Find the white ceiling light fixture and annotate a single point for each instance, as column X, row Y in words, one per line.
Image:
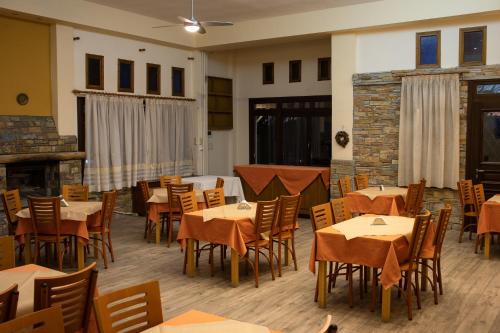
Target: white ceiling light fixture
column 193, row 25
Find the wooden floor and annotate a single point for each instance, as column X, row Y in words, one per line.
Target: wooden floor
column 471, row 300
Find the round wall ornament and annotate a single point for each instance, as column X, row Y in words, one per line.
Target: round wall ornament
column 22, row 99
column 342, row 138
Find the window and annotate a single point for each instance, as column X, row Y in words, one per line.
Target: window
column 268, row 73
column 153, row 80
column 177, row 81
column 125, row 75
column 473, row 46
column 291, row 130
column 294, row 70
column 94, row 71
column 428, row 49
column 324, row 69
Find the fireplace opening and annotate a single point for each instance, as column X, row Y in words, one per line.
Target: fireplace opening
column 34, row 178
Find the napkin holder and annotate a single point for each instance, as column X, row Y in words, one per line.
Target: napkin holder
column 379, row 221
column 381, row 187
column 244, row 205
column 64, row 203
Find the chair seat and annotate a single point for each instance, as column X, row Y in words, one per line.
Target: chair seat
column 260, row 242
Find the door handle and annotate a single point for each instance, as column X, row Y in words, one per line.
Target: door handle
column 478, row 171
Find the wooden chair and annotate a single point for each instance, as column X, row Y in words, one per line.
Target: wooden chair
column 165, row 180
column 132, row 310
column 344, row 185
column 340, row 211
column 219, row 183
column 46, row 215
column 435, row 256
column 361, row 181
column 412, row 206
column 409, row 268
column 174, row 210
column 214, row 197
column 469, row 215
column 74, row 292
column 479, row 199
column 49, row 320
column 75, row 192
column 7, row 254
column 287, row 219
column 11, row 201
column 102, row 232
column 144, row 190
column 265, row 222
column 8, row 304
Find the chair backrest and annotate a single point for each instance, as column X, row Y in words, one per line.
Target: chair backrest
column 49, row 320
column 45, row 213
column 321, row 216
column 466, row 192
column 479, row 198
column 442, row 226
column 219, row 183
column 188, row 202
column 288, row 211
column 108, row 206
column 144, row 188
column 7, row 252
column 74, row 292
column 75, row 192
column 265, row 218
column 11, row 201
column 214, row 197
column 418, row 235
column 344, row 184
column 173, row 190
column 133, row 309
column 340, row 210
column 361, row 181
column 411, row 202
column 8, row 304
column 165, row 180
column 420, row 197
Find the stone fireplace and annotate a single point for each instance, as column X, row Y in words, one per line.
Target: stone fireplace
column 35, row 158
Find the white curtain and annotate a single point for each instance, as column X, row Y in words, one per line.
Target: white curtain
column 125, row 142
column 429, row 130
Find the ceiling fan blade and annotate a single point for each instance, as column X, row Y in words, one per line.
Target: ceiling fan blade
column 202, row 30
column 216, row 23
column 185, row 20
column 168, row 26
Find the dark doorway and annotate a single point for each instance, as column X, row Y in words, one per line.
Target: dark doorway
column 291, row 130
column 483, row 135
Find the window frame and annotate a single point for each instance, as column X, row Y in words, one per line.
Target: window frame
column 182, row 93
column 131, row 63
column 292, row 63
column 100, row 58
column 418, row 35
column 264, row 81
column 329, row 74
column 158, row 79
column 481, row 62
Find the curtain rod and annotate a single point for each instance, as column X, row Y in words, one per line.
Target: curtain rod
column 437, row 72
column 93, row 92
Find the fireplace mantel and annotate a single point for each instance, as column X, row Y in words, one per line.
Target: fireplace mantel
column 66, row 156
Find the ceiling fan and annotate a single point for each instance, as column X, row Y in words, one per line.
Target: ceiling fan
column 193, row 25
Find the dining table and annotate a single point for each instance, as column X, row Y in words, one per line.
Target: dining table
column 158, row 204
column 75, row 220
column 489, row 221
column 360, row 241
column 385, row 200
column 202, row 322
column 24, row 276
column 232, row 185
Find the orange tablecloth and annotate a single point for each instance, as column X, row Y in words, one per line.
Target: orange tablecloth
column 385, row 252
column 294, row 178
column 489, row 218
column 27, row 300
column 381, row 205
column 197, row 317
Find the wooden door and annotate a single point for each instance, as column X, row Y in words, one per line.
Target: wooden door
column 483, row 135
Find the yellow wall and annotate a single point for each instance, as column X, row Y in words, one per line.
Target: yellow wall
column 24, row 67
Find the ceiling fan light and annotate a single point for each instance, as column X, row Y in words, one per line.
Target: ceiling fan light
column 192, row 28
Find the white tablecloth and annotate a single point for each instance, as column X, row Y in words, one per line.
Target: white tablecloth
column 373, row 192
column 232, row 185
column 76, row 211
column 160, row 195
column 495, row 198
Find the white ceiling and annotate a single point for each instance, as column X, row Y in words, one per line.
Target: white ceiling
column 223, row 10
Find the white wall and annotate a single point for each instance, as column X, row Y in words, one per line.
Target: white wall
column 112, row 48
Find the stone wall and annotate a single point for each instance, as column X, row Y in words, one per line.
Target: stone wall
column 338, row 169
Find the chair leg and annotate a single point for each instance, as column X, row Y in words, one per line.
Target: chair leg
column 211, row 259
column 349, row 277
column 279, row 257
column 294, row 257
column 198, row 253
column 104, row 254
column 110, row 246
column 222, row 250
column 146, row 225
column 271, row 258
column 361, row 272
column 334, row 279
column 374, row 289
column 316, row 291
column 440, row 276
column 408, row 294
column 462, row 227
column 170, row 231
column 417, row 289
column 435, row 281
column 478, row 243
column 256, row 267
column 59, row 255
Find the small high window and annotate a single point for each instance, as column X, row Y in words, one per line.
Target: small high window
column 268, row 73
column 473, row 46
column 324, row 69
column 428, row 49
column 153, row 79
column 177, row 81
column 294, row 71
column 94, row 71
column 125, row 76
